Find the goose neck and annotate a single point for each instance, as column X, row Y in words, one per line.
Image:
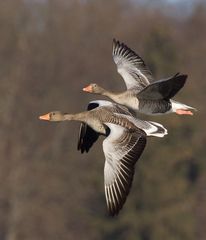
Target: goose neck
column 75, row 117
column 108, row 93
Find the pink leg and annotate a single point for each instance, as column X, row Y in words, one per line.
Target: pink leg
column 184, row 112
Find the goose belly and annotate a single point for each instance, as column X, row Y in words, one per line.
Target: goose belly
column 130, row 102
column 154, row 107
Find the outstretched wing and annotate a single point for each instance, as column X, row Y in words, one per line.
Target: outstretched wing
column 131, row 66
column 87, row 136
column 122, row 148
column 163, row 89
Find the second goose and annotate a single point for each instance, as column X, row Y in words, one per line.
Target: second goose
column 143, row 94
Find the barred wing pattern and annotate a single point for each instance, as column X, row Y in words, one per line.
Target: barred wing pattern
column 122, row 148
column 131, row 66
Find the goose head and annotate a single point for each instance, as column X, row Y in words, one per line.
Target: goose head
column 54, row 116
column 94, row 88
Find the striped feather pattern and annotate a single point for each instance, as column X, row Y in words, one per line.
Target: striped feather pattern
column 131, row 66
column 122, row 149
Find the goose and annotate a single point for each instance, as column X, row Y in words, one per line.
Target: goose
column 143, row 94
column 124, row 143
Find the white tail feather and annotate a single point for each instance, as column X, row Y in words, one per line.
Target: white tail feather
column 156, row 130
column 180, row 106
column 150, row 128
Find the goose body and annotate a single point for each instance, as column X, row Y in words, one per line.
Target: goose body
column 124, row 143
column 143, row 94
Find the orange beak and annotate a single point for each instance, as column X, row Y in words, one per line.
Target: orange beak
column 87, row 89
column 45, row 117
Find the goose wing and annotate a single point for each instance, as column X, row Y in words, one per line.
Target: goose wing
column 87, row 136
column 122, row 148
column 131, row 66
column 163, row 89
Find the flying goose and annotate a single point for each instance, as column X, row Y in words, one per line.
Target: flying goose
column 143, row 94
column 124, row 143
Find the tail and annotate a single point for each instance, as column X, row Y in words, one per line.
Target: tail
column 150, row 128
column 181, row 108
column 156, row 130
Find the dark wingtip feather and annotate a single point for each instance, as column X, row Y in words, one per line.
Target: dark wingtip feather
column 181, row 78
column 114, row 42
column 87, row 136
column 177, row 83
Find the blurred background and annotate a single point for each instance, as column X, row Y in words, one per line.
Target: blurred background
column 50, row 50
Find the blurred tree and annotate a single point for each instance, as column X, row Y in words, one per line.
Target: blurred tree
column 48, row 51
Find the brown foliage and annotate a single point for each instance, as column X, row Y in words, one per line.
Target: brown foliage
column 49, row 50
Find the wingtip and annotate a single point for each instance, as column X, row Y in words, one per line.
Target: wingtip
column 112, row 212
column 177, row 74
column 114, row 43
column 183, row 78
column 180, row 77
column 184, row 75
